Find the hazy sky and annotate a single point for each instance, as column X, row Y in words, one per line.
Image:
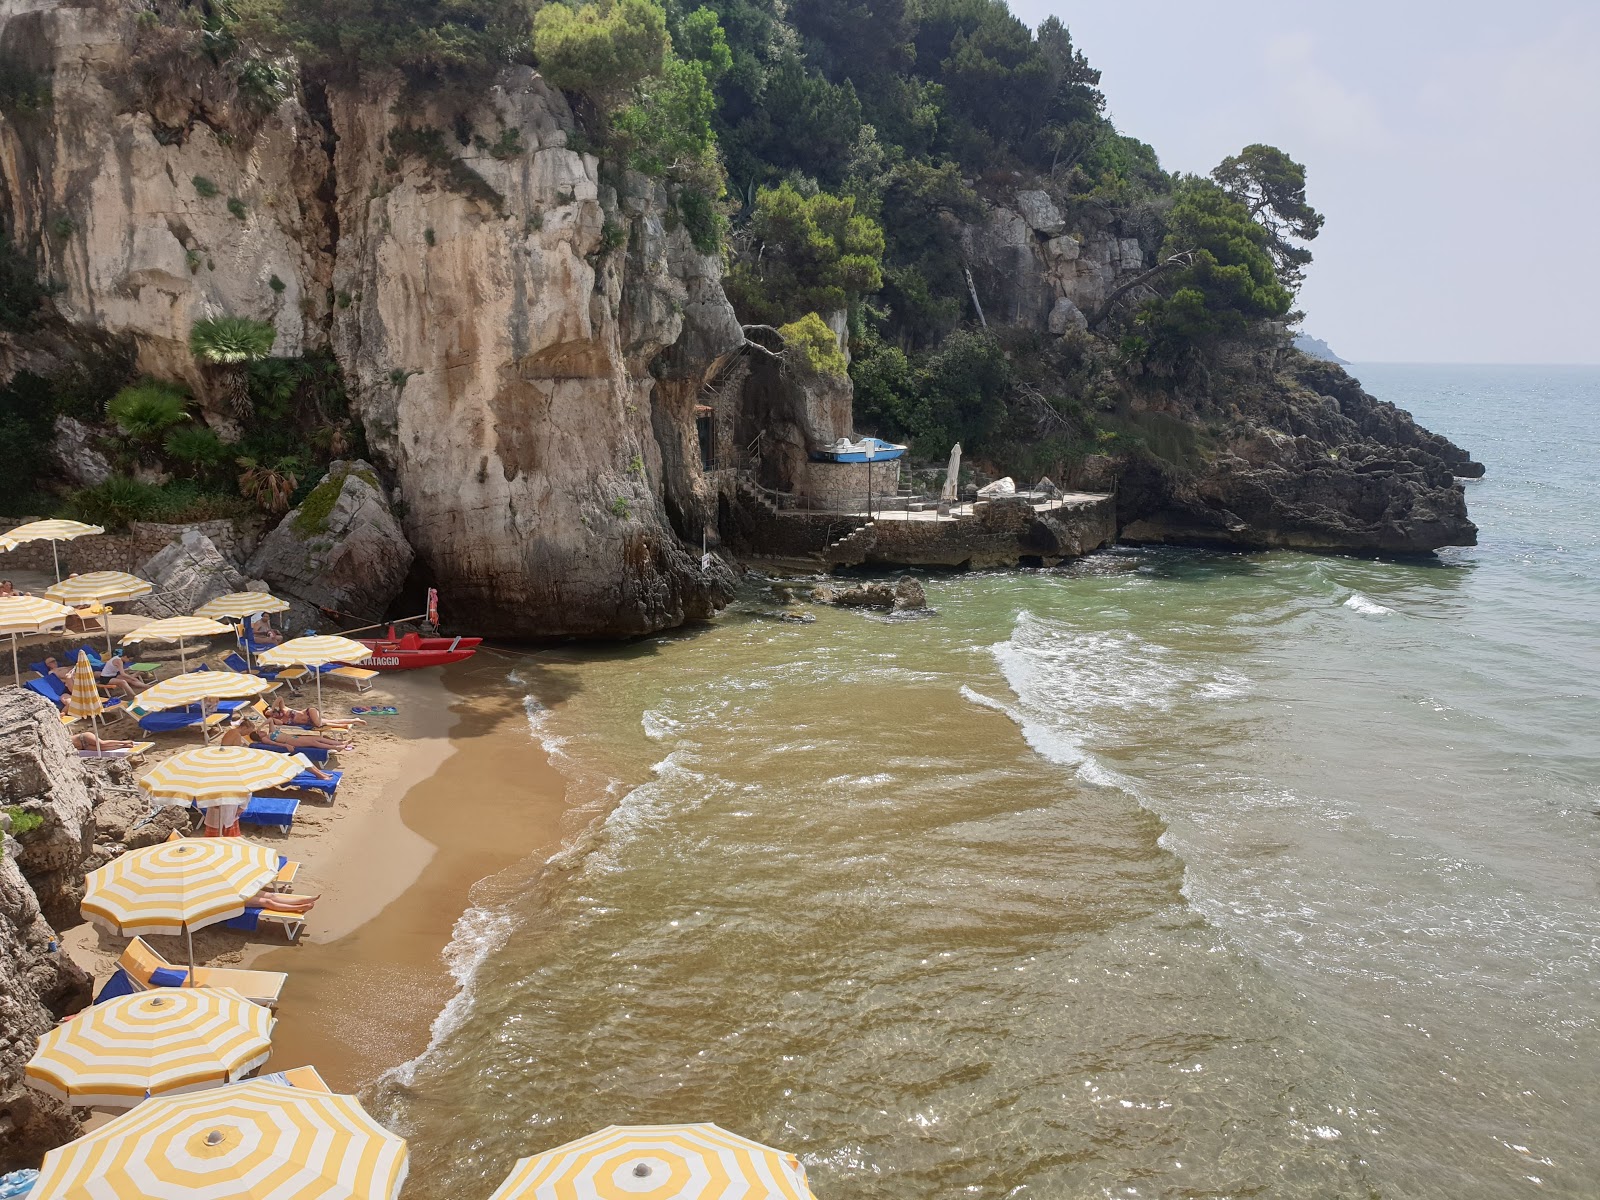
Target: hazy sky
column 1453, row 146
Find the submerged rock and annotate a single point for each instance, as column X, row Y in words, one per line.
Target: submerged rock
column 904, row 593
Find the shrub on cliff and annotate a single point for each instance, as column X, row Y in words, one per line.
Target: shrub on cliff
column 430, row 40
column 147, row 410
column 812, row 348
column 231, row 344
column 804, row 254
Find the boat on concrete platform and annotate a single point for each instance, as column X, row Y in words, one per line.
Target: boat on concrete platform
column 868, row 449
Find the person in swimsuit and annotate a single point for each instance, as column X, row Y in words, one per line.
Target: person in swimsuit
column 281, row 714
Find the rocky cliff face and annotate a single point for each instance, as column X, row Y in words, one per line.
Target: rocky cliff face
column 1272, row 449
column 70, row 817
column 523, row 339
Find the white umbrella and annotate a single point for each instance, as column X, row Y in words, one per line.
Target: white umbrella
column 952, row 476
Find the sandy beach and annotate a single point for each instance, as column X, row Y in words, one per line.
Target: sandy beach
column 435, row 801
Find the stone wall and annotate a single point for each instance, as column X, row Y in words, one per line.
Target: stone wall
column 119, row 551
column 842, row 487
column 999, row 533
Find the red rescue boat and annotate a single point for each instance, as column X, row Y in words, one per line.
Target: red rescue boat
column 413, row 651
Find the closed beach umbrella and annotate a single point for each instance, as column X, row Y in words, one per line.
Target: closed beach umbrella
column 119, row 1052
column 29, row 614
column 53, row 531
column 952, row 476
column 176, row 629
column 658, row 1162
column 252, row 1141
column 183, row 690
column 100, row 587
column 218, row 775
column 315, row 652
column 83, row 693
column 177, row 886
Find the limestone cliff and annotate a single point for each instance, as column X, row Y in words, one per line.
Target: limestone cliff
column 523, row 339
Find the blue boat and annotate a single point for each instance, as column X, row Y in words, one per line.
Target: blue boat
column 869, row 449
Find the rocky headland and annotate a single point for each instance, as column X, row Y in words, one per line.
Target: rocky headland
column 530, row 332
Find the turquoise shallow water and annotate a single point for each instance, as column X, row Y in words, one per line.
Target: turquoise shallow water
column 1172, row 873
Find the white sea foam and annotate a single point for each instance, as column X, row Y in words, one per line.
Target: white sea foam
column 657, row 725
column 1366, row 605
column 478, row 933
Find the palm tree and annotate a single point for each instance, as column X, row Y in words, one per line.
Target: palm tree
column 231, row 344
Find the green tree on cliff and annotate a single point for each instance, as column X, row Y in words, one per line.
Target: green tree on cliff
column 600, row 50
column 1272, row 186
column 804, row 254
column 1224, row 274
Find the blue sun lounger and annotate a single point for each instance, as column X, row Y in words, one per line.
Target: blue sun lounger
column 270, row 810
column 311, row 754
column 252, row 919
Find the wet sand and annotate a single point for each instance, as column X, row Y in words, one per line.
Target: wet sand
column 366, row 984
column 434, row 803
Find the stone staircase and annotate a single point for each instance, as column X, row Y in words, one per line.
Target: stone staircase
column 852, row 548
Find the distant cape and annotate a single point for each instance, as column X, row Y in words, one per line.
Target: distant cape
column 1316, row 348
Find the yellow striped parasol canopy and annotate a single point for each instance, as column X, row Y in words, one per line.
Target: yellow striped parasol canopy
column 29, row 614
column 183, row 690
column 105, row 586
column 176, row 886
column 177, row 629
column 83, row 693
column 210, row 775
column 252, row 1141
column 315, row 652
column 240, row 605
column 52, row 531
column 658, row 1162
column 167, row 1040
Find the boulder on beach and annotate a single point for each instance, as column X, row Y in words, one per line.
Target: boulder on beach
column 341, row 550
column 187, row 573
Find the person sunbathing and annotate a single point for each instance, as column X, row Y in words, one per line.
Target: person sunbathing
column 93, row 741
column 292, row 739
column 62, row 673
column 7, row 588
column 262, row 633
column 282, row 901
column 281, row 714
column 243, row 733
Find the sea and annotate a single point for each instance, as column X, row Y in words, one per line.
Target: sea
column 1166, row 873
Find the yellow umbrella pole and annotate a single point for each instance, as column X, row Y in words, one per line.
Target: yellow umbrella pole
column 55, row 552
column 15, row 669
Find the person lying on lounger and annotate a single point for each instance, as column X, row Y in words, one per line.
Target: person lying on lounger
column 62, row 673
column 262, row 633
column 281, row 902
column 242, row 733
column 292, row 739
column 92, row 741
column 281, row 714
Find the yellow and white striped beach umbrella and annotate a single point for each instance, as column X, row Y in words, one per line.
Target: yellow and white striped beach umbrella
column 105, row 586
column 238, row 606
column 218, row 774
column 315, row 652
column 177, row 629
column 168, row 1040
column 252, row 1141
column 182, row 690
column 83, row 693
column 176, row 886
column 52, row 531
column 29, row 614
column 658, row 1162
